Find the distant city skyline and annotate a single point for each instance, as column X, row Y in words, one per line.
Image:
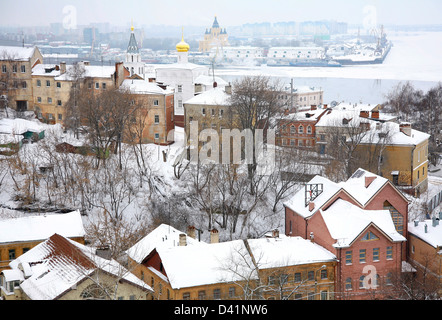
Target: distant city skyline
column 230, row 13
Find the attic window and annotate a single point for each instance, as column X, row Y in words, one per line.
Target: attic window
column 369, row 236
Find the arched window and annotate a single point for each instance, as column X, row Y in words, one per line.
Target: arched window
column 292, row 130
column 301, row 129
column 309, row 129
column 97, row 292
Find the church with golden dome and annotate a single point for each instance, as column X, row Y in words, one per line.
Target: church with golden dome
column 213, row 38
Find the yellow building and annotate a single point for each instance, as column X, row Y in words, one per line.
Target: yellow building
column 180, row 267
column 425, row 248
column 213, row 38
column 16, row 65
column 399, row 153
column 52, row 85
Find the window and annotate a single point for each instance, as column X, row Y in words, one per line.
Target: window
column 4, row 69
column 103, row 85
column 362, row 255
column 324, row 295
column 180, row 104
column 39, row 83
column 202, row 295
column 349, row 257
column 297, row 277
column 24, row 84
column 292, row 130
column 361, row 282
column 97, row 85
column 311, row 275
column 186, row 296
column 50, row 116
column 369, row 236
column 311, row 296
column 309, row 129
column 49, row 100
column 23, row 69
column 39, row 99
column 301, row 129
column 389, row 253
column 271, row 280
column 60, row 117
column 59, row 103
column 398, row 220
column 232, row 292
column 348, row 284
column 157, row 136
column 157, row 119
column 58, row 84
column 376, row 254
column 180, row 88
column 389, row 279
column 221, row 113
column 203, row 111
column 217, row 294
column 156, row 102
column 12, row 254
column 324, row 274
column 48, row 83
column 298, row 296
column 14, row 68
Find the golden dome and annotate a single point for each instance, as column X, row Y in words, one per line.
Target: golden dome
column 182, row 46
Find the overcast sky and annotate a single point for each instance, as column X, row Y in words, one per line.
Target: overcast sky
column 229, row 12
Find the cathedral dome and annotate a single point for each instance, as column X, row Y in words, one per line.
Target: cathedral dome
column 182, row 46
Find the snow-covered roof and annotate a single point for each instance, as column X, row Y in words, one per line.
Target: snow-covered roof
column 139, row 86
column 208, row 80
column 287, row 251
column 49, row 70
column 189, row 266
column 20, row 126
column 394, row 135
column 297, row 201
column 16, row 53
column 308, row 115
column 363, row 185
column 58, row 264
column 355, row 106
column 213, row 97
column 346, row 222
column 180, row 66
column 164, row 236
column 334, row 118
column 89, row 72
column 35, row 228
column 433, row 236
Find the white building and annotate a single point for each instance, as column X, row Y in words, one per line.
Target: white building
column 133, row 61
column 181, row 76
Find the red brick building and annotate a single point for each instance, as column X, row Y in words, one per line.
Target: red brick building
column 298, row 129
column 363, row 221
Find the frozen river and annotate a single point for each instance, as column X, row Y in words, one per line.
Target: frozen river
column 415, row 57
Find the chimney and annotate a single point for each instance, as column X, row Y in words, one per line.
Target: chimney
column 426, row 228
column 86, row 63
column 63, row 67
column 104, row 252
column 364, row 114
column 214, row 236
column 416, row 223
column 311, row 206
column 228, row 89
column 325, row 106
column 435, row 221
column 183, row 240
column 375, row 114
column 191, row 232
column 215, row 84
column 312, row 237
column 275, row 233
column 368, row 181
column 313, row 107
column 405, row 128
